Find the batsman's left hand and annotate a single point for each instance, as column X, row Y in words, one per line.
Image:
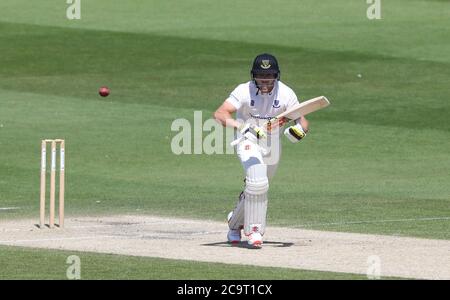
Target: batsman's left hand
column 253, row 132
column 295, row 133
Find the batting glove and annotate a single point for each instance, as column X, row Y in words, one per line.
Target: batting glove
column 295, row 133
column 252, row 132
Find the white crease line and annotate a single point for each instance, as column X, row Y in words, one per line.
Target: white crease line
column 9, row 208
column 296, row 226
column 57, row 239
column 99, row 225
column 130, row 224
column 108, row 225
column 14, row 229
column 65, row 227
column 374, row 221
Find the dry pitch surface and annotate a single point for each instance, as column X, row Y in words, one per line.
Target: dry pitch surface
column 206, row 241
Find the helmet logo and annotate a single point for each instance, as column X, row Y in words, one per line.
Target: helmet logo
column 265, row 64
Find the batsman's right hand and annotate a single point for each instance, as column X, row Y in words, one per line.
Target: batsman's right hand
column 252, row 132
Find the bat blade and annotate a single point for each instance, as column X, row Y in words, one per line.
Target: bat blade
column 306, row 107
column 298, row 110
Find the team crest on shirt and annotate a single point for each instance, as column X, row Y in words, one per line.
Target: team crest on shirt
column 252, row 102
column 276, row 104
column 265, row 64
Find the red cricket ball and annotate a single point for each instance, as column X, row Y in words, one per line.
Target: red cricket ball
column 103, row 91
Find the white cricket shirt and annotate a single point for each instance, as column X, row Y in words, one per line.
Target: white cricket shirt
column 258, row 107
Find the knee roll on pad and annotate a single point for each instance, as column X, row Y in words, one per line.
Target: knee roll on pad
column 257, row 188
column 256, row 182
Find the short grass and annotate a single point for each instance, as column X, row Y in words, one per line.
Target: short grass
column 378, row 155
column 380, row 152
column 26, row 263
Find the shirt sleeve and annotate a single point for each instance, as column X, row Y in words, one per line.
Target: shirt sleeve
column 234, row 101
column 236, row 97
column 292, row 100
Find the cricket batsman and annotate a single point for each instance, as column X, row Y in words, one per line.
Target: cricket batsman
column 255, row 102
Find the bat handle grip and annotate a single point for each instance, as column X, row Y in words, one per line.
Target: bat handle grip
column 237, row 141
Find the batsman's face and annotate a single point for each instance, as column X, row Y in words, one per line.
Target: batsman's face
column 265, row 82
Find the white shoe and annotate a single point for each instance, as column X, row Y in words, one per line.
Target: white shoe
column 255, row 239
column 234, row 236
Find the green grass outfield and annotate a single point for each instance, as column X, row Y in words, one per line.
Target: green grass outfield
column 376, row 161
column 52, row 264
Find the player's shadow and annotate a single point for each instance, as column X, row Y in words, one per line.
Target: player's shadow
column 244, row 244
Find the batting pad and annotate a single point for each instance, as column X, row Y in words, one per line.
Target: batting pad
column 255, row 204
column 255, row 213
column 237, row 218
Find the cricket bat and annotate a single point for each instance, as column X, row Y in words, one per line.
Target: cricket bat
column 292, row 113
